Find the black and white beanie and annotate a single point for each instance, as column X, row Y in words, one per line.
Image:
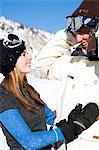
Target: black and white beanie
column 11, row 47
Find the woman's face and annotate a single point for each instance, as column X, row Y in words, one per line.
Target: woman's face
column 24, row 62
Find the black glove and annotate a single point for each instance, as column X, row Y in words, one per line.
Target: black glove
column 74, row 112
column 86, row 116
column 78, row 120
column 70, row 130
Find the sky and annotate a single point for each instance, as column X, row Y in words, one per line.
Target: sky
column 48, row 15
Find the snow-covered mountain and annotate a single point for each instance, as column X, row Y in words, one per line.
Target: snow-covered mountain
column 34, row 38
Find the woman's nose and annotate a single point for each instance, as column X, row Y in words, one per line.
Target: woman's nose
column 29, row 55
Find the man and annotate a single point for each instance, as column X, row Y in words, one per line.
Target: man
column 66, row 58
column 83, row 86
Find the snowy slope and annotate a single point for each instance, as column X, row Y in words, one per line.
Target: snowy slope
column 34, row 38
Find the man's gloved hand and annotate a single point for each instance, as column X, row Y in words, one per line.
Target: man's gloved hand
column 57, row 144
column 78, row 120
column 74, row 112
column 86, row 116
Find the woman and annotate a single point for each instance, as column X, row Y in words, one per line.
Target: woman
column 23, row 115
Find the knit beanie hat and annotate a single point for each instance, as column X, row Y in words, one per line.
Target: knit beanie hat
column 11, row 48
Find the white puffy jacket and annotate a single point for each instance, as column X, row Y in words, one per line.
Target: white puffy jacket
column 80, row 83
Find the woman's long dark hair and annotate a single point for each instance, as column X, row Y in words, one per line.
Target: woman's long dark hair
column 15, row 82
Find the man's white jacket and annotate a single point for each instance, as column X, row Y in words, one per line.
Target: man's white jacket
column 80, row 83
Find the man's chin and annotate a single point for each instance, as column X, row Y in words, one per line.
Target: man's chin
column 85, row 47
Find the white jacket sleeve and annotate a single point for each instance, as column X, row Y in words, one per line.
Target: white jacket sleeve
column 54, row 57
column 52, row 51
